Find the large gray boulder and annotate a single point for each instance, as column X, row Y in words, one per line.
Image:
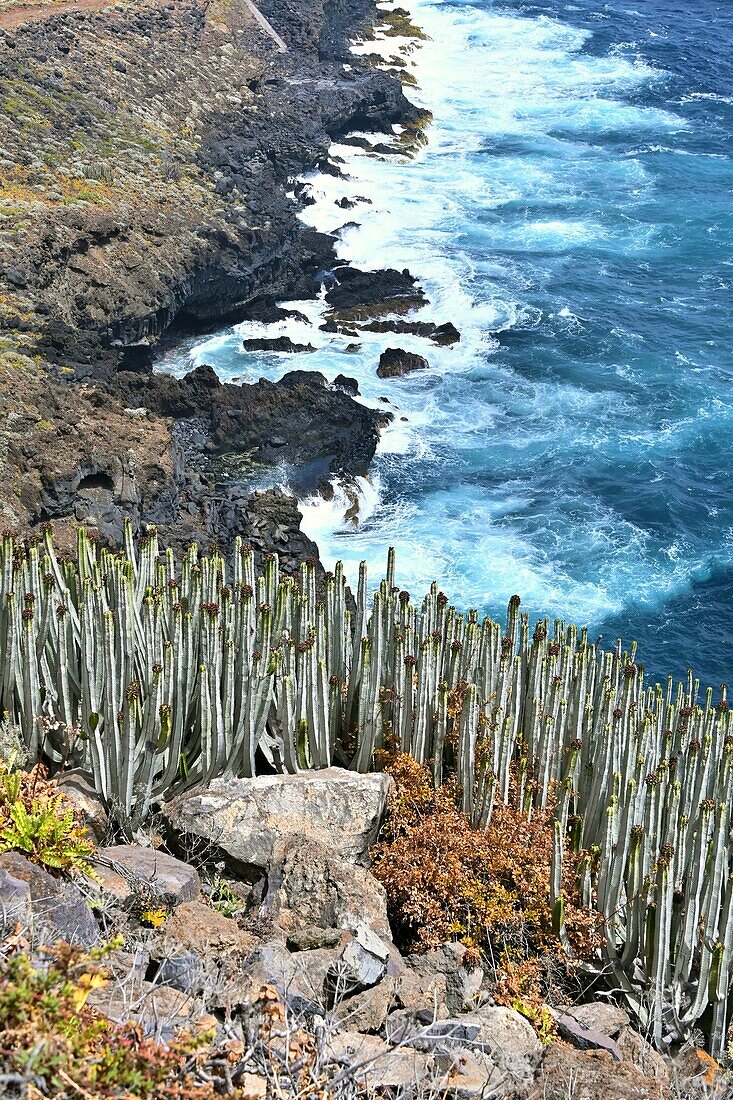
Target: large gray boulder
column 46, row 908
column 599, row 1016
column 200, row 951
column 299, row 977
column 160, row 1010
column 378, row 1067
column 510, row 1041
column 333, row 915
column 592, row 1075
column 501, row 1034
column 383, row 1070
column 439, row 982
column 249, row 820
column 366, row 1011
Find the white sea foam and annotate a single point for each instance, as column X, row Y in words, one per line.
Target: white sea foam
column 342, row 513
column 710, row 97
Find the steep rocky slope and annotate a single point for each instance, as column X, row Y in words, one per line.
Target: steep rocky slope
column 148, row 150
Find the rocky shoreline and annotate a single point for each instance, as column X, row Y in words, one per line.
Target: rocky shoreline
column 149, row 153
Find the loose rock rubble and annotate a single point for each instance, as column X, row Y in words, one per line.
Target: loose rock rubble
column 309, row 923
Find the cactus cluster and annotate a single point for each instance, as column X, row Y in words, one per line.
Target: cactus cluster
column 156, row 675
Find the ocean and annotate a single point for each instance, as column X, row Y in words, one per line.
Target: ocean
column 572, row 215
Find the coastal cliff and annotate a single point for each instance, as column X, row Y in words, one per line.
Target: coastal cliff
column 146, row 188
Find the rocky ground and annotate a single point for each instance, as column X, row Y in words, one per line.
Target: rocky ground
column 147, row 154
column 268, row 906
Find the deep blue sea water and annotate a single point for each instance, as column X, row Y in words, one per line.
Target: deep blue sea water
column 573, row 216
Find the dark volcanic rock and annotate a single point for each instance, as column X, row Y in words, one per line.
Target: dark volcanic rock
column 127, row 231
column 320, row 431
column 386, row 150
column 370, row 293
column 278, row 343
column 395, row 363
column 348, row 385
column 444, row 335
column 272, row 522
column 336, row 326
column 265, row 309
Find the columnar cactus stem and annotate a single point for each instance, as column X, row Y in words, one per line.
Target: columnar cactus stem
column 175, row 676
column 467, row 747
column 556, row 897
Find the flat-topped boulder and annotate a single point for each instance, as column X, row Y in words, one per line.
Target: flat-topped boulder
column 360, row 295
column 126, row 870
column 249, row 820
column 444, row 335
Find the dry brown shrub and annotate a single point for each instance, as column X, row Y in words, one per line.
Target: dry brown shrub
column 446, row 880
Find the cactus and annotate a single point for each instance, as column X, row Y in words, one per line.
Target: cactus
column 158, row 675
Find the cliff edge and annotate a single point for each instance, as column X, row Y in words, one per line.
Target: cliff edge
column 148, row 157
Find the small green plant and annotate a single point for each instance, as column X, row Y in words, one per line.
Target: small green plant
column 47, row 834
column 39, row 822
column 539, row 1017
column 225, row 899
column 154, row 918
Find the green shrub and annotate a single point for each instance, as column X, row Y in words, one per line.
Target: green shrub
column 39, row 822
column 60, row 1047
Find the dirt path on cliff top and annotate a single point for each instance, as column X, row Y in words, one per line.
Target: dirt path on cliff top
column 16, row 14
column 13, row 15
